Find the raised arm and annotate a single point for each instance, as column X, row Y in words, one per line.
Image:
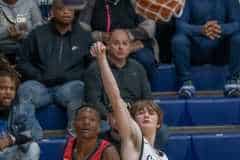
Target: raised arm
column 126, row 125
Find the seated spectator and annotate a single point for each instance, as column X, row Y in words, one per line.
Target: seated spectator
column 17, row 18
column 137, row 132
column 130, row 75
column 201, row 35
column 87, row 145
column 105, row 18
column 17, row 140
column 53, row 58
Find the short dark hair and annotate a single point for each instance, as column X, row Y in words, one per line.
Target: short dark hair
column 6, row 70
column 90, row 106
column 57, row 3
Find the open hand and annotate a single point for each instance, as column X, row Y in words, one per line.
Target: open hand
column 14, row 33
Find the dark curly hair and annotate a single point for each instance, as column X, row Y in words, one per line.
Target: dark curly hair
column 7, row 70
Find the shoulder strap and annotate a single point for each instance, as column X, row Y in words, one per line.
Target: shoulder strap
column 71, row 141
column 100, row 149
column 6, row 17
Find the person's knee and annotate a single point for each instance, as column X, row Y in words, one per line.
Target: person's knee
column 70, row 94
column 235, row 39
column 29, row 87
column 33, row 152
column 74, row 88
column 9, row 153
column 31, row 90
column 145, row 56
column 180, row 40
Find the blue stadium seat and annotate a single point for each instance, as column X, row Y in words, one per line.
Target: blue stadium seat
column 198, row 111
column 178, row 148
column 214, row 111
column 201, row 111
column 174, row 112
column 206, row 77
column 52, row 117
column 164, row 79
column 52, row 149
column 216, row 147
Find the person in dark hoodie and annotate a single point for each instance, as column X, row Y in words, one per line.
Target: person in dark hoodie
column 208, row 32
column 17, row 19
column 18, row 130
column 53, row 59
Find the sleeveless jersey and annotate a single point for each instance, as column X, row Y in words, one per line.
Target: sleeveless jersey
column 149, row 153
column 68, row 152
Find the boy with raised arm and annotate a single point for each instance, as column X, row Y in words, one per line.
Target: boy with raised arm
column 137, row 137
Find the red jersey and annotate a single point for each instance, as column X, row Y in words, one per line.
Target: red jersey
column 68, row 152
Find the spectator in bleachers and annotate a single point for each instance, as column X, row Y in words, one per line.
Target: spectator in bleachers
column 130, row 75
column 86, row 144
column 17, row 18
column 18, row 131
column 138, row 129
column 202, row 33
column 53, row 58
column 108, row 15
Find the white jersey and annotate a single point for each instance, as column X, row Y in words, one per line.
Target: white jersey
column 149, row 153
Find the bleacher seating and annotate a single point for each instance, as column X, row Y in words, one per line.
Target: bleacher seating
column 214, row 111
column 174, row 112
column 52, row 149
column 205, row 77
column 52, row 117
column 195, row 112
column 201, row 111
column 216, row 147
column 180, row 147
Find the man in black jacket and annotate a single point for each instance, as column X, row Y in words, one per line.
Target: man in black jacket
column 53, row 57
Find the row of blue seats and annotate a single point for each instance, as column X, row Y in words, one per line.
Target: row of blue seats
column 179, row 147
column 201, row 111
column 206, row 77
